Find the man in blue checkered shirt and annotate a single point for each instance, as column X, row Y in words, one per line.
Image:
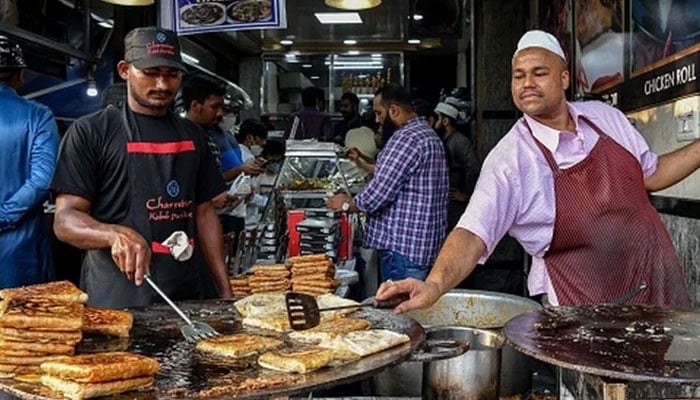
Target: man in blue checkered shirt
column 406, row 200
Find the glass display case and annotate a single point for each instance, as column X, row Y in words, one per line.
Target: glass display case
column 311, row 172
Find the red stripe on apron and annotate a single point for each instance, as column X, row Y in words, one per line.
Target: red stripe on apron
column 160, row 249
column 160, row 148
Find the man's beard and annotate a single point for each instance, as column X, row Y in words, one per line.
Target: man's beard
column 388, row 128
column 143, row 102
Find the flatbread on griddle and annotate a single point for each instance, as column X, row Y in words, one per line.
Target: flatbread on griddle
column 101, row 367
column 102, row 321
column 34, row 347
column 329, row 329
column 238, row 345
column 42, row 314
column 79, row 391
column 31, row 335
column 61, row 291
column 300, row 361
column 365, row 342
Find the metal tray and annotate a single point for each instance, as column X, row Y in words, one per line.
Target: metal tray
column 187, row 374
column 630, row 342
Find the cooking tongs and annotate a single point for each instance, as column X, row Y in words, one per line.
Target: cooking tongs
column 194, row 331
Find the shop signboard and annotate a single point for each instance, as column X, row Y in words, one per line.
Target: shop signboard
column 204, row 16
column 664, row 83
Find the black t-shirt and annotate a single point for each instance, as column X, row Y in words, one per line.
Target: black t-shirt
column 92, row 161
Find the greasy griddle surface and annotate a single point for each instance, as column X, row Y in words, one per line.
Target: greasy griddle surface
column 635, row 343
column 185, row 373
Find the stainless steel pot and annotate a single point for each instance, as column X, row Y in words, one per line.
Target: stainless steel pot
column 470, row 308
column 474, row 375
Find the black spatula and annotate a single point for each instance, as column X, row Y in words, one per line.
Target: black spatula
column 303, row 311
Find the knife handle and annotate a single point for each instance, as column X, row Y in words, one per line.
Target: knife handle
column 392, row 301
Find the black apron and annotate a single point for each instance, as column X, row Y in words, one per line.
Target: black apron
column 162, row 201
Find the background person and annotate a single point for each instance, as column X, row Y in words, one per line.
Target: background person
column 29, row 143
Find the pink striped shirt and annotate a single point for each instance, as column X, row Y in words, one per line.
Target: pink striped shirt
column 515, row 191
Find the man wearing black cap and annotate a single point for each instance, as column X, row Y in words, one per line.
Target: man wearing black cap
column 135, row 185
column 28, row 142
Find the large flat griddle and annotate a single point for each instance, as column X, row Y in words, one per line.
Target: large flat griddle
column 185, row 373
column 633, row 343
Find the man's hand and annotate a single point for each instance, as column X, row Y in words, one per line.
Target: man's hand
column 252, row 169
column 456, row 195
column 422, row 294
column 131, row 253
column 353, row 154
column 335, row 203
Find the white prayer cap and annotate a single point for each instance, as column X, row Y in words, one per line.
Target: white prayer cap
column 541, row 39
column 447, row 109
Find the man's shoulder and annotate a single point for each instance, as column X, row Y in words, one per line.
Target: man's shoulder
column 100, row 123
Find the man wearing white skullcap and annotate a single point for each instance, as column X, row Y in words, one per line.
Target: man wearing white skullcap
column 570, row 182
column 462, row 161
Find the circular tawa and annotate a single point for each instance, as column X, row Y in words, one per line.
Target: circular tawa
column 630, row 342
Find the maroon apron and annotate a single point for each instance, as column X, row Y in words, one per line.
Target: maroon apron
column 608, row 238
column 161, row 201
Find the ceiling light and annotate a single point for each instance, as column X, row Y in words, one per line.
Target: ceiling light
column 354, row 52
column 376, row 55
column 91, row 89
column 339, row 18
column 357, row 67
column 417, row 17
column 189, row 59
column 314, row 77
column 350, row 42
column 353, row 4
column 106, row 23
column 131, row 2
column 413, row 41
column 307, row 66
column 286, row 42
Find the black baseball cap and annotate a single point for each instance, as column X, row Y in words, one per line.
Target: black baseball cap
column 150, row 47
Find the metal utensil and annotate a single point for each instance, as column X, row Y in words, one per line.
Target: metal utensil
column 194, row 330
column 303, row 311
column 629, row 295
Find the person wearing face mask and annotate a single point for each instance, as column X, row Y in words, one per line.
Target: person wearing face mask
column 410, row 177
column 461, row 158
column 252, row 136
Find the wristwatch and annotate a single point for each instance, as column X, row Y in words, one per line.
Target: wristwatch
column 345, row 206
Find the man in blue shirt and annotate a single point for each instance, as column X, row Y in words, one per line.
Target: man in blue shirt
column 29, row 144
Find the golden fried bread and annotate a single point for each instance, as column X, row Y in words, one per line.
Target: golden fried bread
column 329, row 329
column 312, row 289
column 312, row 271
column 31, row 335
column 80, row 391
column 300, row 361
column 365, row 342
column 28, row 360
column 43, row 314
column 107, row 322
column 325, row 284
column 101, row 367
column 268, row 267
column 277, row 323
column 10, row 371
column 261, row 304
column 35, row 347
column 312, row 278
column 238, row 345
column 308, row 258
column 62, row 291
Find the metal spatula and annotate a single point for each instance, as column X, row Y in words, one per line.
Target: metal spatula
column 303, row 311
column 193, row 331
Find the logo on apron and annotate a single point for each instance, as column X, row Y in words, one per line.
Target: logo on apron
column 173, row 188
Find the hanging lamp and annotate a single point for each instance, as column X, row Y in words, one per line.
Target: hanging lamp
column 353, row 4
column 131, row 2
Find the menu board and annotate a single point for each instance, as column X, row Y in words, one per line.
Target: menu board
column 202, row 16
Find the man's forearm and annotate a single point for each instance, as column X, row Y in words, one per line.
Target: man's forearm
column 674, row 167
column 457, row 259
column 211, row 240
column 81, row 230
